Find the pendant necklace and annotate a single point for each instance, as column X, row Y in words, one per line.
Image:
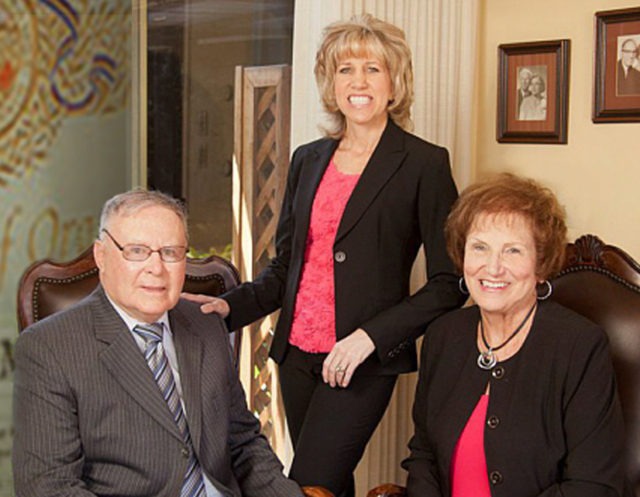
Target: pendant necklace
column 487, row 360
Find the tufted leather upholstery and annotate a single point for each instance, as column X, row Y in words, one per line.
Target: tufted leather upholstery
column 47, row 286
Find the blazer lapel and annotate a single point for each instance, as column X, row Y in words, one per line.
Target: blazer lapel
column 311, row 172
column 384, row 162
column 189, row 350
column 122, row 358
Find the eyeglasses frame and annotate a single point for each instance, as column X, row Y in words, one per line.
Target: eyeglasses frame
column 160, row 252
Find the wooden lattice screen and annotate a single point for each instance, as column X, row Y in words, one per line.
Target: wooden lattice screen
column 261, row 159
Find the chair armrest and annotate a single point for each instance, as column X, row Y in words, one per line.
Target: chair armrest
column 316, row 492
column 388, row 490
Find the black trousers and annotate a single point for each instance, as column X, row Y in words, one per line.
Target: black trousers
column 329, row 427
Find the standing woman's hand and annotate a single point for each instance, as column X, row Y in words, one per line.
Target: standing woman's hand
column 209, row 304
column 345, row 357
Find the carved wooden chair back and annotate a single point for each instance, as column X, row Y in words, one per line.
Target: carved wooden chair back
column 602, row 282
column 48, row 286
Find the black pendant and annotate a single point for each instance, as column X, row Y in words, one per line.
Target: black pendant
column 486, row 360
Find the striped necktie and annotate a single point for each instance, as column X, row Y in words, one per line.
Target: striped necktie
column 193, row 484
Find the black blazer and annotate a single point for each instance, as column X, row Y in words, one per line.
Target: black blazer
column 629, row 84
column 400, row 202
column 554, row 425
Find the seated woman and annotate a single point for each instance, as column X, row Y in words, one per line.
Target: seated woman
column 517, row 394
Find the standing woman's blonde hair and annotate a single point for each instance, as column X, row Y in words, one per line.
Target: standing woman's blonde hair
column 364, row 35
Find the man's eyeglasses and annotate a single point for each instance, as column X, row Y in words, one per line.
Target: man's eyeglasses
column 139, row 253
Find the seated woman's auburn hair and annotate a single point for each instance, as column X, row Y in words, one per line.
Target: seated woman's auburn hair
column 507, row 194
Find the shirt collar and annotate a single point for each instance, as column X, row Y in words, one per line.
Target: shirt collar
column 132, row 322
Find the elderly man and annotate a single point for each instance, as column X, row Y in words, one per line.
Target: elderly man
column 524, row 80
column 132, row 392
column 628, row 75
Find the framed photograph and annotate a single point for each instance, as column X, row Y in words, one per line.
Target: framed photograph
column 533, row 92
column 616, row 95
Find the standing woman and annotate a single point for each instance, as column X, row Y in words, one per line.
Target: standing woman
column 358, row 205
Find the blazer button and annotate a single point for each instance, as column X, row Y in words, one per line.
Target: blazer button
column 495, row 477
column 493, row 421
column 185, row 452
column 498, row 372
column 340, row 256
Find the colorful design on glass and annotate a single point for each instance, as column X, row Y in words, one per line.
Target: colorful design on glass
column 58, row 58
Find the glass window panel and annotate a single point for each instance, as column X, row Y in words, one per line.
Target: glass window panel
column 193, row 49
column 65, row 144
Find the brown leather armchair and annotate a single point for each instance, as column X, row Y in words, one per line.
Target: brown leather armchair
column 388, row 490
column 48, row 286
column 601, row 282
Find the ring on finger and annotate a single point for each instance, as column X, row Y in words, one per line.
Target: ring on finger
column 340, row 369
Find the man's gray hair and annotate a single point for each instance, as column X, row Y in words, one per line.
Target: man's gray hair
column 128, row 203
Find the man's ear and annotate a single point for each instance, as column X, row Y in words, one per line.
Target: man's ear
column 98, row 253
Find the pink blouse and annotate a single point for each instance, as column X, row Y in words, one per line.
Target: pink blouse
column 469, row 465
column 314, row 320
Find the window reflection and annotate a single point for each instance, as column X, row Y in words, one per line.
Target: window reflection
column 193, row 49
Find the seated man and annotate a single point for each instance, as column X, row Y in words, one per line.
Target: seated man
column 133, row 392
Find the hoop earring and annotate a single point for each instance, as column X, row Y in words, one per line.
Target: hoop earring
column 462, row 285
column 545, row 296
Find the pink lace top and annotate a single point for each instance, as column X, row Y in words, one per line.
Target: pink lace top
column 314, row 320
column 469, row 465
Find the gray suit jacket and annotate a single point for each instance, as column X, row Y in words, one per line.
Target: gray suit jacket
column 90, row 419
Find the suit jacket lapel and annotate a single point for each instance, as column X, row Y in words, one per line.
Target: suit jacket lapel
column 122, row 358
column 384, row 162
column 311, row 172
column 189, row 350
